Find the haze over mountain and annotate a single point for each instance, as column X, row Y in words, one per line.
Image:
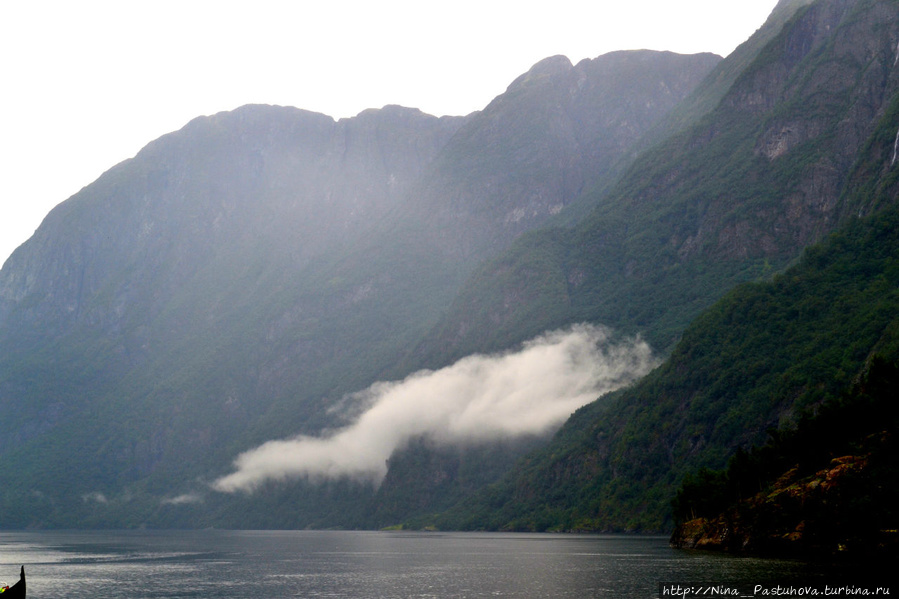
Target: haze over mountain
column 273, row 319
column 239, row 277
column 72, row 115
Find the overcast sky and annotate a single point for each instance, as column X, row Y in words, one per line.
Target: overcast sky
column 87, row 83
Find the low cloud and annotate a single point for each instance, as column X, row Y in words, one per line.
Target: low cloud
column 479, row 398
column 184, row 499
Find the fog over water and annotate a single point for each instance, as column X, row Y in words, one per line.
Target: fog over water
column 479, row 398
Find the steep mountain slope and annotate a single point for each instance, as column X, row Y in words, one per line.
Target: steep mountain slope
column 236, row 278
column 754, row 361
column 809, row 130
column 122, row 314
column 231, row 196
column 565, row 130
column 706, row 97
column 733, row 197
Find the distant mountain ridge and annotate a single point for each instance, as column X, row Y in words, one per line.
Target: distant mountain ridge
column 260, row 163
column 236, row 278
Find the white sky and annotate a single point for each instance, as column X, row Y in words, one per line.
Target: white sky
column 86, row 84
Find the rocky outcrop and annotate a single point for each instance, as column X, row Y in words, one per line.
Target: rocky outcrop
column 813, row 515
column 819, row 92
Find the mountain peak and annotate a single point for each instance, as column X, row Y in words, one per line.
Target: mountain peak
column 548, row 67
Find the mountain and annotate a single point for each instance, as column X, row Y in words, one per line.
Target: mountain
column 122, row 314
column 244, row 279
column 760, row 358
column 799, row 151
column 236, row 279
column 564, row 130
column 706, row 96
column 735, row 196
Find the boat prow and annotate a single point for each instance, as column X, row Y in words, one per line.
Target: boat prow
column 17, row 590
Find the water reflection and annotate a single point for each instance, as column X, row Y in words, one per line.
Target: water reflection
column 369, row 564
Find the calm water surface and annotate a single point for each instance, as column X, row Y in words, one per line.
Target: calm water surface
column 213, row 564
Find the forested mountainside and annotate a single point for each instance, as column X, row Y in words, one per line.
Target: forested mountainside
column 734, row 197
column 757, row 360
column 237, row 278
column 823, row 487
column 802, row 165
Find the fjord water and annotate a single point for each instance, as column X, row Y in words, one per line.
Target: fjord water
column 144, row 564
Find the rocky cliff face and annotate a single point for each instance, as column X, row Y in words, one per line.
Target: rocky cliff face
column 558, row 131
column 278, row 186
column 793, row 124
column 747, row 187
column 822, row 100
